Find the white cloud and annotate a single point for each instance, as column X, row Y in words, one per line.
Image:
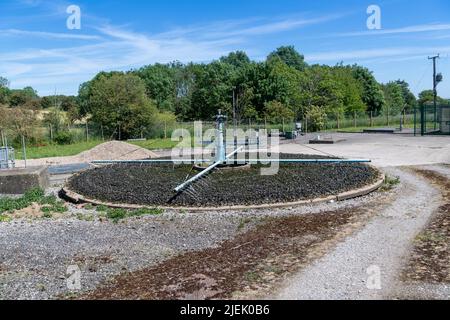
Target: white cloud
column 359, row 55
column 117, row 48
column 404, row 30
column 48, row 35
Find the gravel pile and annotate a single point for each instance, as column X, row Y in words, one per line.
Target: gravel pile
column 153, row 185
column 116, row 150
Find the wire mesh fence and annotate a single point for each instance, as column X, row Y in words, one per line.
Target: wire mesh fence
column 90, row 131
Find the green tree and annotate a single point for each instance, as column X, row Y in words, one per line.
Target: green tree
column 290, row 56
column 276, row 112
column 160, row 84
column 238, row 59
column 372, row 92
column 317, row 118
column 426, row 97
column 118, row 101
column 408, row 96
column 25, row 96
column 4, row 90
column 213, row 90
column 394, row 100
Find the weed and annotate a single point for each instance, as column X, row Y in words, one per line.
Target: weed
column 102, row 208
column 47, row 214
column 89, row 207
column 145, row 212
column 5, row 218
column 243, row 222
column 390, row 183
column 116, row 214
column 37, row 195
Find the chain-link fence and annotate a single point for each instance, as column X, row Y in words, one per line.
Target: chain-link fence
column 431, row 120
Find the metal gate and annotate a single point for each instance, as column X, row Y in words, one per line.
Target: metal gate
column 429, row 120
column 7, row 159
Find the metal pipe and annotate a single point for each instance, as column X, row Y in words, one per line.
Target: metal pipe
column 311, row 160
column 149, row 161
column 251, row 160
column 204, row 172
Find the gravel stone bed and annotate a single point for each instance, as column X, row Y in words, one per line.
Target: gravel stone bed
column 153, row 185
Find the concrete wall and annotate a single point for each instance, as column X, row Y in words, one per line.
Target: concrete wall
column 18, row 181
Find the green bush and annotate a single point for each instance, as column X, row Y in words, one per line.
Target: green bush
column 316, row 119
column 64, row 138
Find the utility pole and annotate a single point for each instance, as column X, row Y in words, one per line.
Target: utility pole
column 435, row 83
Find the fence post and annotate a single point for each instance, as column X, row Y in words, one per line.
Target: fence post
column 371, row 118
column 24, row 150
column 306, row 124
column 165, row 129
column 423, row 121
column 354, row 119
column 87, row 131
column 51, row 132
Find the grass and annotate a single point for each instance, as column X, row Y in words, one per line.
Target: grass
column 53, row 150
column 50, row 204
column 155, row 144
column 119, row 214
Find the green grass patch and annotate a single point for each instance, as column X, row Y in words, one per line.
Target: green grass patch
column 50, row 204
column 155, row 144
column 53, row 150
column 119, row 214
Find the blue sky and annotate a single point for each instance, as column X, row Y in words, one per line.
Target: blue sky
column 37, row 48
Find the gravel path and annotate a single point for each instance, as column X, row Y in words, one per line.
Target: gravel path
column 35, row 255
column 382, row 245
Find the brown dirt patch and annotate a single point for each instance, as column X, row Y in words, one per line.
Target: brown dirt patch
column 251, row 261
column 430, row 261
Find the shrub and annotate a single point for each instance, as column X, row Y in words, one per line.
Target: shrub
column 64, row 138
column 316, row 119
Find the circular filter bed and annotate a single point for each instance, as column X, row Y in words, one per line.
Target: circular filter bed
column 153, row 184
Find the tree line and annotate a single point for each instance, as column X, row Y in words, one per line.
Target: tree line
column 283, row 87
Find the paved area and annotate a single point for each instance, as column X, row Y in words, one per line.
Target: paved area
column 383, row 149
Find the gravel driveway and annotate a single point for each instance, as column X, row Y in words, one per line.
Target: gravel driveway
column 382, row 246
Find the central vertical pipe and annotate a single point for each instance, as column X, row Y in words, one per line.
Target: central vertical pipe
column 220, row 146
